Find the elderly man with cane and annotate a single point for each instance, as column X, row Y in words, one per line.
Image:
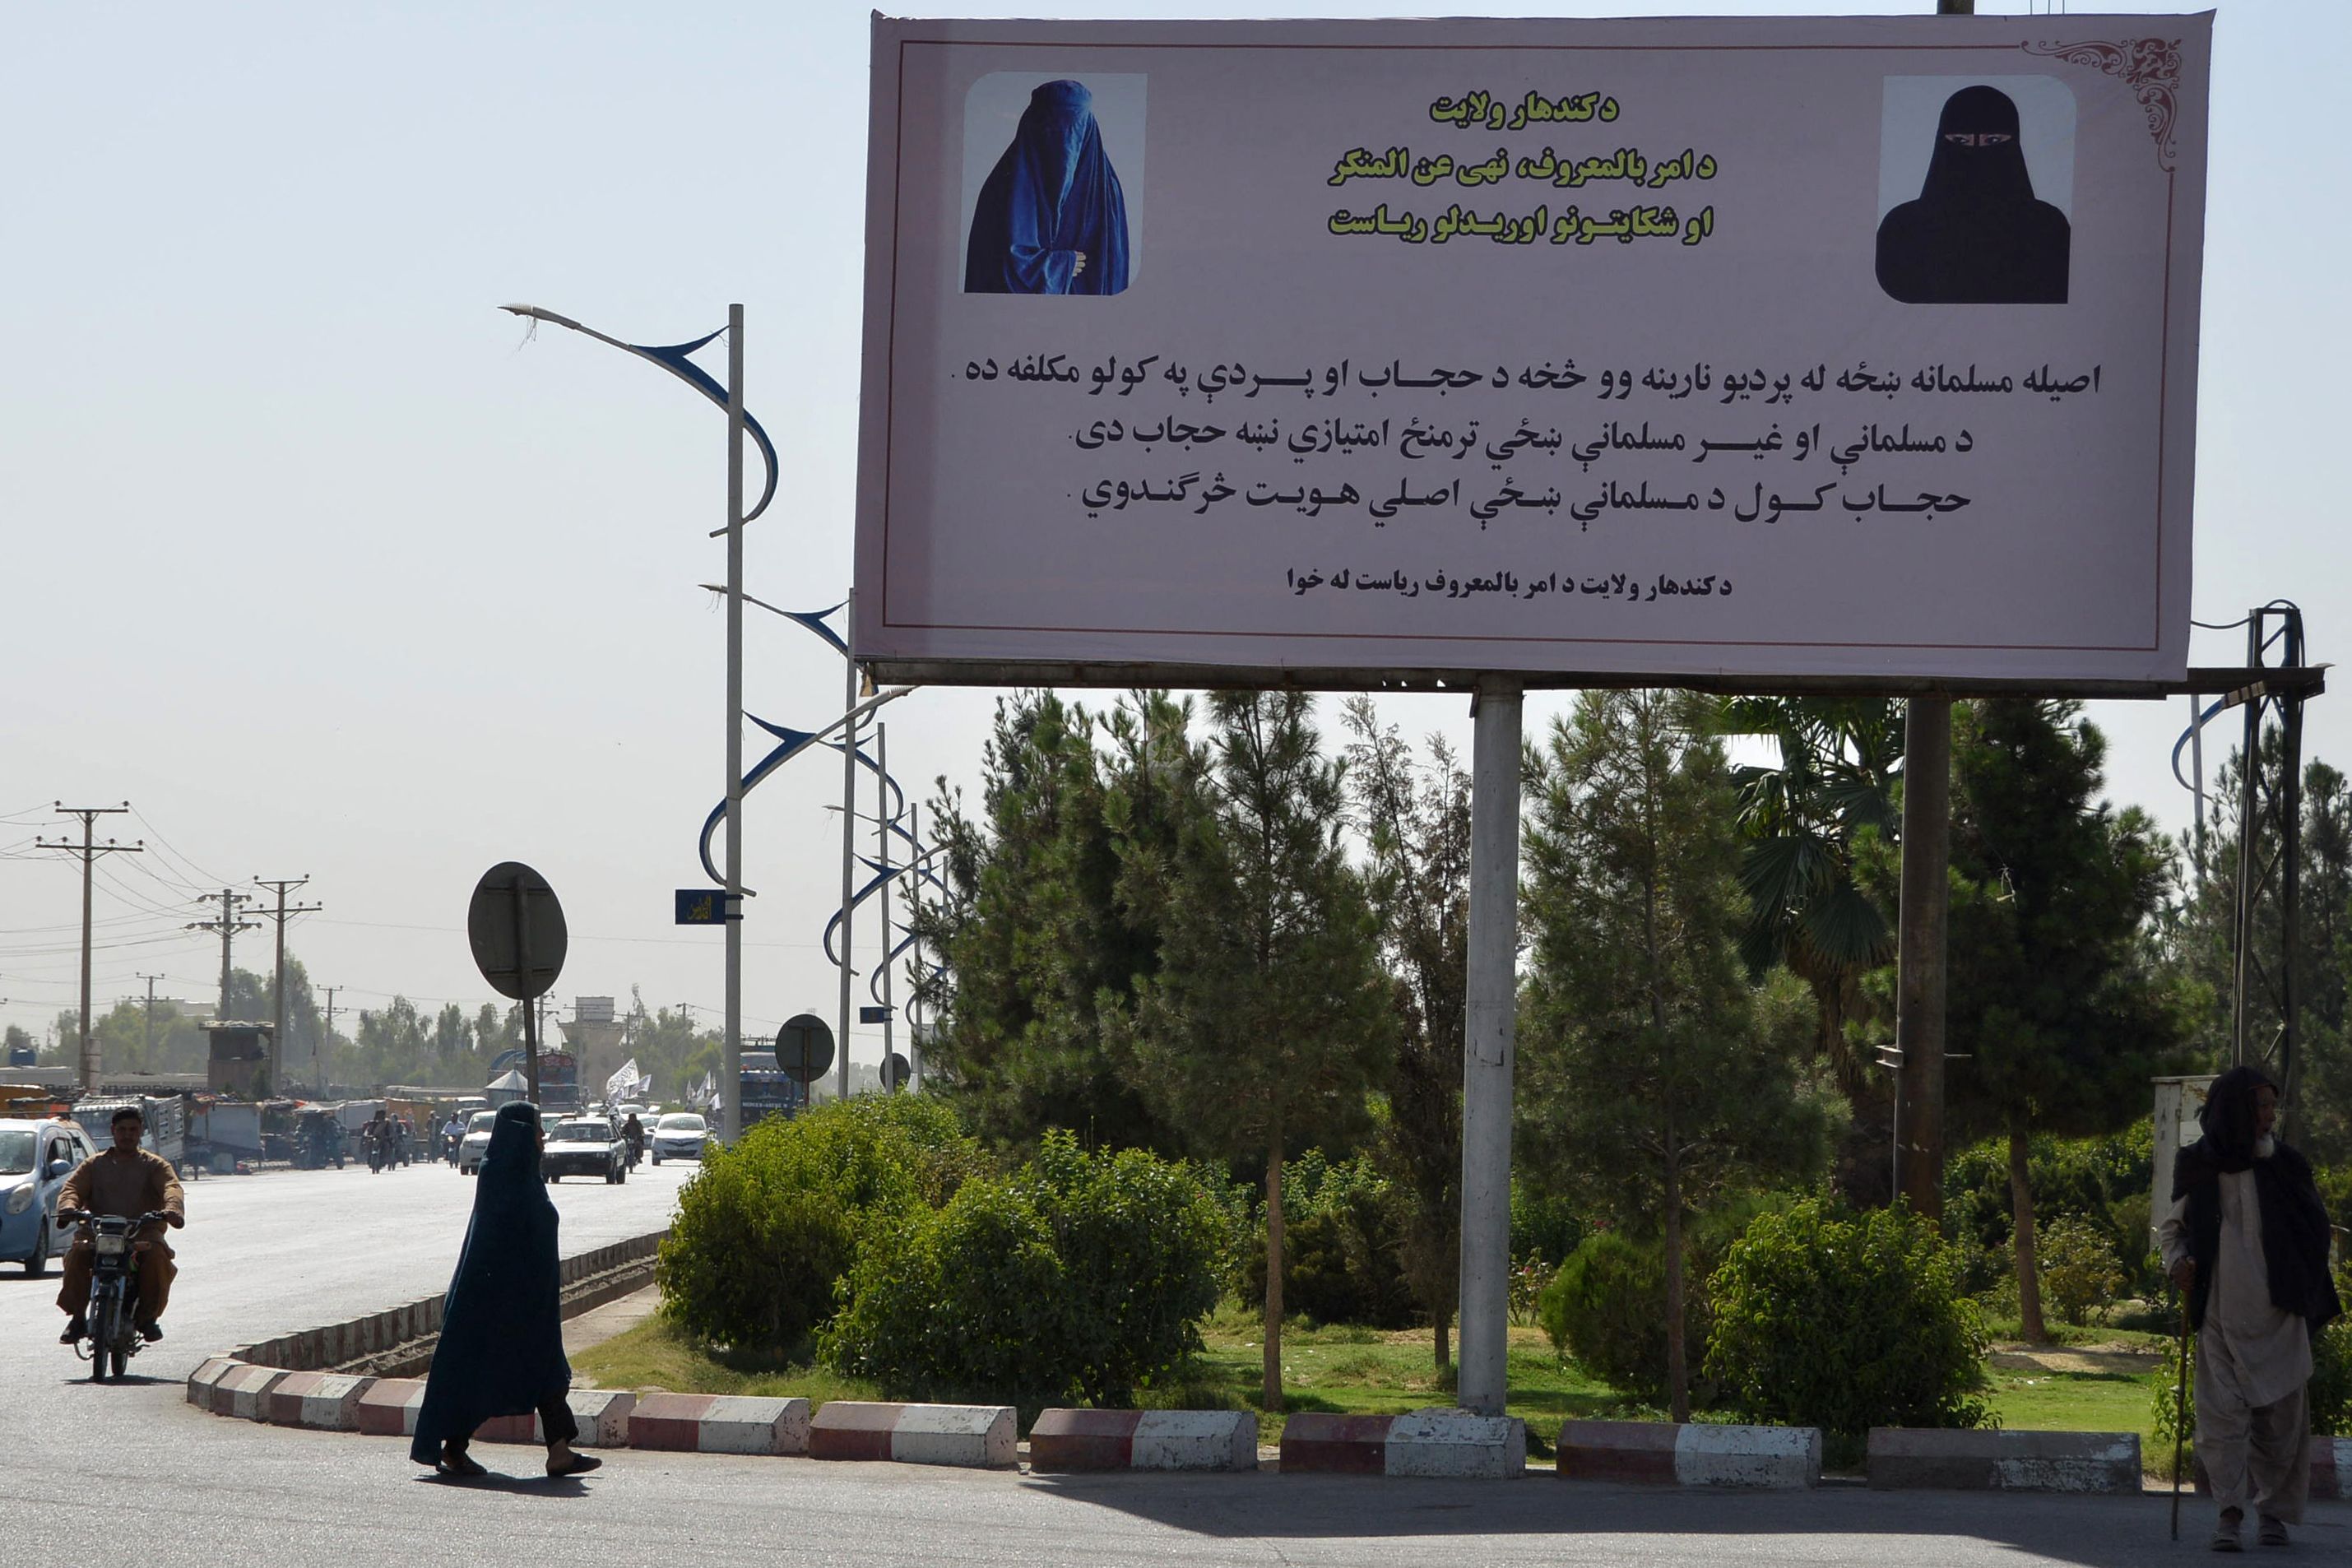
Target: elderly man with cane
column 2246, row 1240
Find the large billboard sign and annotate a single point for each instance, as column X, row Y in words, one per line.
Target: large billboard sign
column 1844, row 350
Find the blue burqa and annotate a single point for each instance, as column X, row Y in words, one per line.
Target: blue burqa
column 502, row 1347
column 1052, row 198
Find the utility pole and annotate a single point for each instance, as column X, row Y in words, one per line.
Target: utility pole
column 147, row 1027
column 89, row 850
column 318, row 1048
column 281, row 886
column 228, row 925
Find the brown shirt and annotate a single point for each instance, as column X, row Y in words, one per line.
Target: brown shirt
column 126, row 1184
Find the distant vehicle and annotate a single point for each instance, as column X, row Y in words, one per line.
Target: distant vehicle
column 35, row 1158
column 318, row 1139
column 584, row 1146
column 23, row 1054
column 680, row 1135
column 475, row 1143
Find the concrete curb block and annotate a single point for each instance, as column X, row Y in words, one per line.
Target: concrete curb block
column 979, row 1436
column 242, row 1392
column 1687, row 1454
column 322, row 1400
column 1144, row 1440
column 1995, row 1460
column 388, row 1409
column 1448, row 1443
column 719, row 1424
column 2331, row 1468
column 203, row 1382
column 601, row 1415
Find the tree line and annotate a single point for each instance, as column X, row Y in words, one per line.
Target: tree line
column 1206, row 927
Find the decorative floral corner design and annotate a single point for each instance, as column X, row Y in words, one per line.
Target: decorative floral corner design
column 2149, row 67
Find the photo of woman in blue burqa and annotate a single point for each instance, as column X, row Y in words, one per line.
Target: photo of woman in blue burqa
column 501, row 1346
column 1051, row 218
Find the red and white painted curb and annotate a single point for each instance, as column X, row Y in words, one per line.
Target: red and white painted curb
column 1991, row 1459
column 389, row 1409
column 719, row 1424
column 1447, row 1443
column 1144, row 1440
column 601, row 1414
column 322, row 1400
column 1687, row 1455
column 981, row 1437
column 2331, row 1466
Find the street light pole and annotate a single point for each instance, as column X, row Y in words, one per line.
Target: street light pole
column 730, row 1114
column 849, row 835
column 676, row 359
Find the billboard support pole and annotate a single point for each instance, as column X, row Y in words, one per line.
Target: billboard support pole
column 1490, row 1023
column 1925, row 903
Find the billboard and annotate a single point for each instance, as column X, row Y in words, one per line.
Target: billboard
column 1848, row 350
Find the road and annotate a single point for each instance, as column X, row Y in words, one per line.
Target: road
column 134, row 1474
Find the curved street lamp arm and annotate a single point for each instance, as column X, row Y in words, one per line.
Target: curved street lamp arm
column 672, row 358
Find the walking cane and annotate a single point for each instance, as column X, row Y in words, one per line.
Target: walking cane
column 2179, row 1414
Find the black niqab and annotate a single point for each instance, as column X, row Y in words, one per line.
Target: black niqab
column 1977, row 236
column 501, row 1346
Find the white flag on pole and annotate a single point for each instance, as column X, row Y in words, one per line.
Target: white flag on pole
column 619, row 1086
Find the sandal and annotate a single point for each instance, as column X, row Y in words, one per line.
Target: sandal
column 577, row 1465
column 2225, row 1532
column 454, row 1463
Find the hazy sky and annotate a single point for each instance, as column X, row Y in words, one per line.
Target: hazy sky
column 305, row 553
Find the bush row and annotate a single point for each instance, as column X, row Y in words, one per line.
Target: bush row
column 875, row 1232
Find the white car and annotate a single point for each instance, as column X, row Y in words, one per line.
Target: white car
column 476, row 1143
column 680, row 1136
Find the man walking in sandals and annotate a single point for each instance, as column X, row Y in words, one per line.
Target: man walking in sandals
column 2246, row 1240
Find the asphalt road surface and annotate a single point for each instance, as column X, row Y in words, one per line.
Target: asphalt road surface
column 131, row 1474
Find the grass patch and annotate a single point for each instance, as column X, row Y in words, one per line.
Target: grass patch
column 657, row 1354
column 2093, row 1380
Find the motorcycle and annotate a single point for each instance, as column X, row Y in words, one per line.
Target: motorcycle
column 114, row 1310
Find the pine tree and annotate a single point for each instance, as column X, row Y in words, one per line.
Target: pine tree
column 1268, row 1019
column 2054, row 1000
column 1651, row 1077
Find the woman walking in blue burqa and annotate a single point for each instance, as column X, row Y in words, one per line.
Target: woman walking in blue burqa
column 1051, row 218
column 501, row 1346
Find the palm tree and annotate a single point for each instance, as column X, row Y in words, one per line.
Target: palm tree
column 1839, row 758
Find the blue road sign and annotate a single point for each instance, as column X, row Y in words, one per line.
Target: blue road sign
column 874, row 1015
column 701, row 906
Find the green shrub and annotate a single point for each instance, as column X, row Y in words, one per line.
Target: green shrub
column 1607, row 1308
column 1824, row 1317
column 1343, row 1237
column 766, row 1228
column 1082, row 1276
column 2078, row 1269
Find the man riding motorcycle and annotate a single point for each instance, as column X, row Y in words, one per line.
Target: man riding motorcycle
column 128, row 1181
column 634, row 1131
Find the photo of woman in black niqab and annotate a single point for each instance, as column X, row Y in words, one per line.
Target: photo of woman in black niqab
column 1977, row 236
column 502, row 1347
column 1051, row 218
